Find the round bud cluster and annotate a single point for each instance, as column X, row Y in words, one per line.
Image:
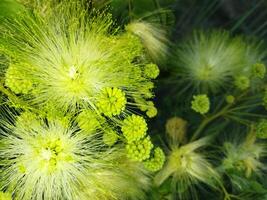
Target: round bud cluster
column 16, row 80
column 230, row 99
column 261, row 129
column 242, row 82
column 156, row 162
column 134, row 128
column 139, row 150
column 151, row 71
column 110, row 137
column 200, row 103
column 88, row 121
column 112, row 101
column 259, row 70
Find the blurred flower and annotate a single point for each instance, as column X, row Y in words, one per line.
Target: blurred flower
column 176, row 129
column 187, row 167
column 242, row 82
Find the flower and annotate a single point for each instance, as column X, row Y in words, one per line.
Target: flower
column 242, row 82
column 154, row 38
column 156, row 162
column 75, row 65
column 200, row 103
column 50, row 161
column 187, row 167
column 112, row 101
column 134, row 128
column 139, row 150
column 244, row 157
column 209, row 60
column 176, row 129
column 259, row 70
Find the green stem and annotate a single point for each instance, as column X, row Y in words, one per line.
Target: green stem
column 207, row 120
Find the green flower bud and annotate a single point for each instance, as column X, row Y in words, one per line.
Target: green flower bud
column 134, row 128
column 261, row 129
column 259, row 70
column 139, row 150
column 110, row 137
column 156, row 162
column 230, row 99
column 151, row 71
column 200, row 103
column 242, row 82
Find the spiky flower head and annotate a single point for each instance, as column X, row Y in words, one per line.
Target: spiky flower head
column 259, row 70
column 156, row 162
column 5, row 196
column 154, row 38
column 139, row 150
column 50, row 161
column 209, row 59
column 261, row 129
column 244, row 157
column 242, row 82
column 200, row 103
column 76, row 64
column 134, row 128
column 187, row 167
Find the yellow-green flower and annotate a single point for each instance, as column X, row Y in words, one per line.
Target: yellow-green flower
column 134, row 128
column 5, row 196
column 112, row 101
column 156, row 162
column 242, row 82
column 259, row 70
column 139, row 150
column 50, row 161
column 200, row 103
column 187, row 167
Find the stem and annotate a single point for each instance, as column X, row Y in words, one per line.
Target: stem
column 207, row 120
